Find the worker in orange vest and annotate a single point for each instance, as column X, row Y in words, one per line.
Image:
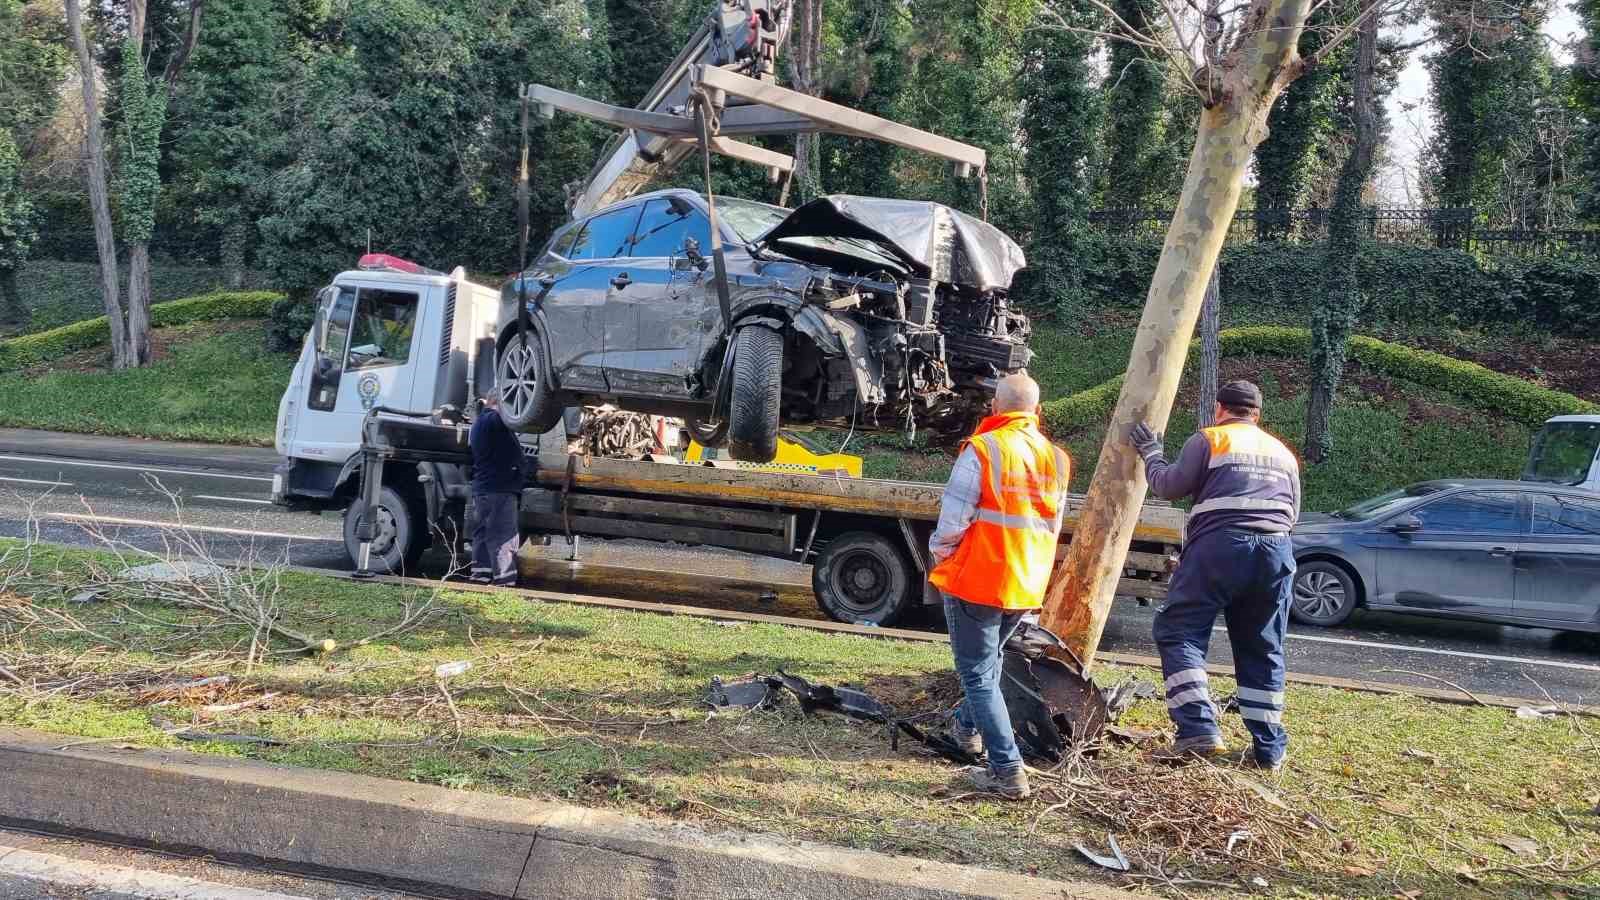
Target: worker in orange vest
column 993, row 551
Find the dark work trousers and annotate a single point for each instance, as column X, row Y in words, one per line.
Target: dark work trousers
column 1247, row 577
column 494, row 537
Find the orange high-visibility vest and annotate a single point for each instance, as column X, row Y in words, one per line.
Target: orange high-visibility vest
column 1006, row 556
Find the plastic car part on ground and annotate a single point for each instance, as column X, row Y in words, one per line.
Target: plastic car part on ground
column 1052, row 704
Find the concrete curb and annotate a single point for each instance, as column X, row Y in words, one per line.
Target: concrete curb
column 443, row 842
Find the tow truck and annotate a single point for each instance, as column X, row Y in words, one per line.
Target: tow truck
column 375, row 419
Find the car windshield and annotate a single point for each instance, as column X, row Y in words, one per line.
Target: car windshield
column 749, row 219
column 1383, row 504
column 1563, row 452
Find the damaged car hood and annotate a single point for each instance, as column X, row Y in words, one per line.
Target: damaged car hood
column 935, row 241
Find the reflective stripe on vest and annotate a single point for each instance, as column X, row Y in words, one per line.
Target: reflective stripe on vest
column 1241, row 503
column 1008, row 552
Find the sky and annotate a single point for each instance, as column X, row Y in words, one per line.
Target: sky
column 1410, row 114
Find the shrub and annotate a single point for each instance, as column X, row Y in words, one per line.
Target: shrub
column 1485, row 389
column 291, row 317
column 35, row 349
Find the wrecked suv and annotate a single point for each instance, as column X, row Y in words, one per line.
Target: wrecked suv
column 869, row 312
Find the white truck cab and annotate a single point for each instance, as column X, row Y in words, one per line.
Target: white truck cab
column 1566, row 451
column 388, row 334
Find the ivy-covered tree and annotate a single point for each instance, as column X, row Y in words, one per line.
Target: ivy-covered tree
column 1487, row 76
column 1585, row 81
column 33, row 58
column 868, row 40
column 17, row 232
column 1134, row 88
column 1310, row 115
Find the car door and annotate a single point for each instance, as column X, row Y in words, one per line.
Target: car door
column 363, row 354
column 1460, row 559
column 574, row 308
column 1558, row 565
column 653, row 335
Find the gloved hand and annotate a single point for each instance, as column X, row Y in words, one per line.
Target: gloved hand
column 1145, row 440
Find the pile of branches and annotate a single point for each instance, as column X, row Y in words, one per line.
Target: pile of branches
column 613, row 433
column 1194, row 812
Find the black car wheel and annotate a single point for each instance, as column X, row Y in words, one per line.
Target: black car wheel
column 1324, row 594
column 861, row 577
column 757, row 385
column 398, row 543
column 527, row 403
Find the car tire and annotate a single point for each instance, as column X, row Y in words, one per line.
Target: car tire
column 757, row 386
column 864, row 578
column 527, row 401
column 399, row 543
column 1324, row 594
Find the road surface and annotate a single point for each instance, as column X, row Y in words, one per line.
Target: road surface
column 86, row 490
column 34, row 867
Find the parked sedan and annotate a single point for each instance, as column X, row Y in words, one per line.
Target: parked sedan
column 1512, row 552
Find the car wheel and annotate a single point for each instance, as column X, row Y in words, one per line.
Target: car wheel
column 398, row 544
column 757, row 384
column 861, row 577
column 527, row 402
column 1324, row 594
column 713, row 435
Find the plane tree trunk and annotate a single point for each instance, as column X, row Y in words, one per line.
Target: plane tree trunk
column 1238, row 92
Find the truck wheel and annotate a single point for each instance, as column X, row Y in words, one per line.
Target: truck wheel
column 398, row 544
column 863, row 578
column 1324, row 594
column 527, row 402
column 757, row 383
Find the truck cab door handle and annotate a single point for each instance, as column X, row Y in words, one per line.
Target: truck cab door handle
column 1499, row 551
column 622, row 280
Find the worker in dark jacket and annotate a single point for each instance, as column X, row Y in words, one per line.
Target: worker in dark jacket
column 496, row 495
column 1237, row 561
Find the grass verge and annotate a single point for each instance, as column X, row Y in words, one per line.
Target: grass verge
column 602, row 708
column 216, row 384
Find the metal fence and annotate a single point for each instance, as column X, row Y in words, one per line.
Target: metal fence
column 1447, row 227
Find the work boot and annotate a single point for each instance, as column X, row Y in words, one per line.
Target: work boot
column 1249, row 760
column 1187, row 750
column 1012, row 785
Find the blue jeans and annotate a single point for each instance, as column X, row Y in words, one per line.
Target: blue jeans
column 977, row 633
column 1247, row 577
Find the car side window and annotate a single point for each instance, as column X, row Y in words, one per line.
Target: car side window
column 606, row 236
column 1486, row 512
column 662, row 229
column 1565, row 516
column 562, row 245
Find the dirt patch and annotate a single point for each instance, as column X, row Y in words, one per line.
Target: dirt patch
column 1293, row 379
column 1563, row 364
column 163, row 341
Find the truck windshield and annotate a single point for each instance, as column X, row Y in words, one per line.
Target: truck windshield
column 1563, row 452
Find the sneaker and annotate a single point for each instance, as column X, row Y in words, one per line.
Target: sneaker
column 1187, row 750
column 1249, row 760
column 1011, row 786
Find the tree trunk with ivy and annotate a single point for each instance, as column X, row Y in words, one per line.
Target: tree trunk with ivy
column 1210, row 351
column 1341, row 289
column 1240, row 90
column 99, row 196
column 805, row 64
column 144, row 112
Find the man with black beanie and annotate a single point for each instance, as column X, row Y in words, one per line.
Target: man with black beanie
column 1237, row 560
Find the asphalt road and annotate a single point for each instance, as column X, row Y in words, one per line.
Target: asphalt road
column 86, row 490
column 34, row 867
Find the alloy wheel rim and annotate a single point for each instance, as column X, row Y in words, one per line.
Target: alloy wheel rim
column 518, row 382
column 1319, row 594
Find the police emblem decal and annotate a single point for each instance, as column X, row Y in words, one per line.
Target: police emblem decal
column 367, row 390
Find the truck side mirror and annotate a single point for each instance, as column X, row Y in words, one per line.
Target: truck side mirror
column 1405, row 524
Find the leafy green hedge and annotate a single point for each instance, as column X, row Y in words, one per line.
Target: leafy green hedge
column 34, row 349
column 1485, row 389
column 1401, row 284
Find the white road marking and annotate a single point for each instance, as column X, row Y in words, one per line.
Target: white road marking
column 105, row 465
column 69, row 872
column 1491, row 657
column 36, row 481
column 231, row 499
column 184, row 526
